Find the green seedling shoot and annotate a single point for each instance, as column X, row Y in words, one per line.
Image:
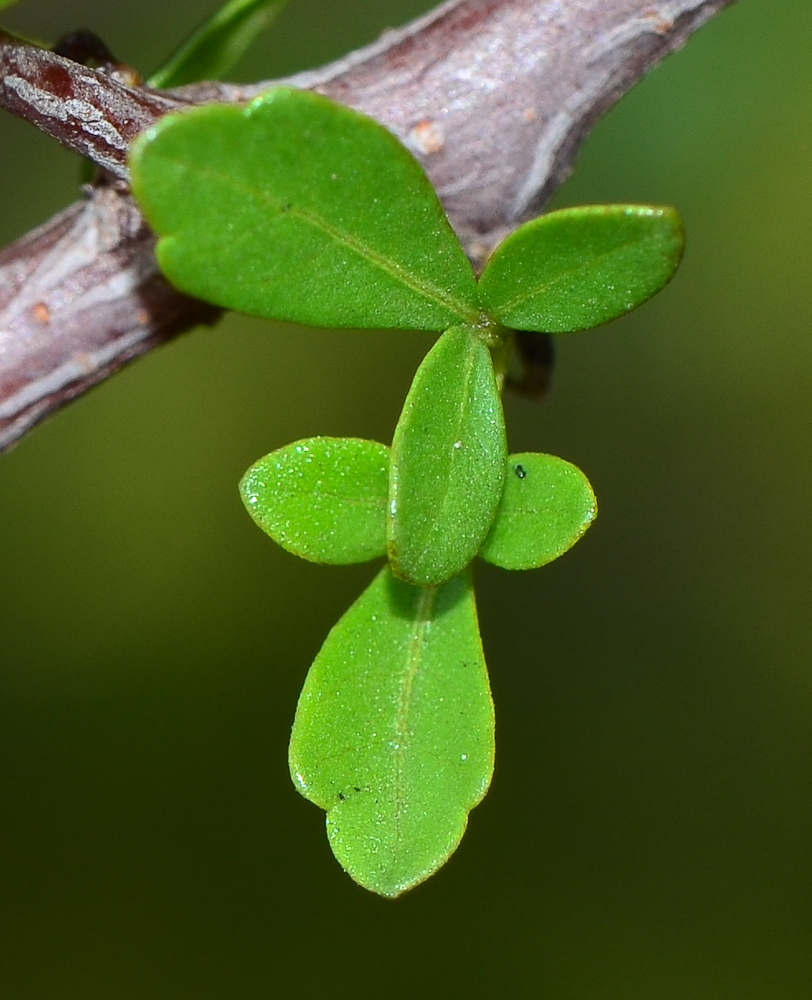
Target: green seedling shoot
column 295, row 208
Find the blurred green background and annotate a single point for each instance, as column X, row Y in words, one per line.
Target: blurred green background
column 648, row 832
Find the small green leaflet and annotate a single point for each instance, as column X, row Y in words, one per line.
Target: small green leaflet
column 299, row 209
column 546, row 506
column 323, row 498
column 580, row 267
column 448, row 462
column 394, row 731
column 296, row 208
column 213, row 48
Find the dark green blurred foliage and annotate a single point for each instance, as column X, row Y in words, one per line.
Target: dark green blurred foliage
column 648, row 831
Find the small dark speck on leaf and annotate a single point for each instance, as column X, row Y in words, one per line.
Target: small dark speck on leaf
column 519, row 470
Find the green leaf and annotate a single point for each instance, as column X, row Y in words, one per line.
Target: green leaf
column 213, row 48
column 448, row 462
column 394, row 731
column 577, row 268
column 546, row 506
column 296, row 208
column 323, row 498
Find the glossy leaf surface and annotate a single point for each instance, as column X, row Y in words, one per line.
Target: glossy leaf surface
column 296, row 208
column 448, row 462
column 323, row 498
column 394, row 731
column 213, row 48
column 580, row 267
column 546, row 506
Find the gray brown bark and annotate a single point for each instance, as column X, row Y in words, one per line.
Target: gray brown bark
column 493, row 96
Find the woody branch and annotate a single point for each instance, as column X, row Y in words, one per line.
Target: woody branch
column 493, row 96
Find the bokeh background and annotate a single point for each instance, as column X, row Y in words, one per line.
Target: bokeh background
column 649, row 828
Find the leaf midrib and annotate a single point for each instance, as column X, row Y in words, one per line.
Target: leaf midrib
column 546, row 286
column 470, row 315
column 470, row 363
column 414, row 660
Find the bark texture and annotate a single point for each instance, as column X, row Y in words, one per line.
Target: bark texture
column 493, row 96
